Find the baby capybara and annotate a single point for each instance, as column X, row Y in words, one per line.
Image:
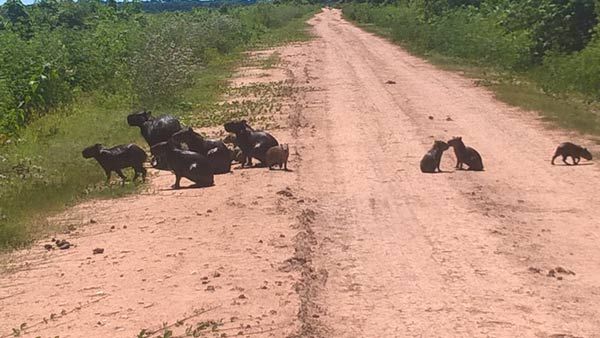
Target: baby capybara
column 465, row 155
column 117, row 158
column 431, row 161
column 568, row 149
column 278, row 155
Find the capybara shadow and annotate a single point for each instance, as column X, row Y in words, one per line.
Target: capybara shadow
column 466, row 155
column 430, row 163
column 154, row 129
column 253, row 143
column 215, row 151
column 118, row 158
column 575, row 152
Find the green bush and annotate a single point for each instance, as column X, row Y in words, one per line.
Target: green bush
column 578, row 72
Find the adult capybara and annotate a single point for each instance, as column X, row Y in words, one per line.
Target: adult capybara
column 117, row 158
column 568, row 149
column 184, row 163
column 465, row 155
column 216, row 151
column 278, row 155
column 254, row 143
column 154, row 129
column 431, row 161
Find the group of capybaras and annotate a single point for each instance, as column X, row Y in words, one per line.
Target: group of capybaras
column 186, row 153
column 430, row 163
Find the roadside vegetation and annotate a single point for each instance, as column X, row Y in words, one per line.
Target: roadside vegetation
column 539, row 54
column 72, row 71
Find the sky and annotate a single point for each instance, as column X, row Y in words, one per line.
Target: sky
column 27, row 2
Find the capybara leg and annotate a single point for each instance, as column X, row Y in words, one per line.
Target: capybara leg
column 177, row 179
column 108, row 173
column 565, row 160
column 576, row 159
column 285, row 165
column 553, row 158
column 123, row 178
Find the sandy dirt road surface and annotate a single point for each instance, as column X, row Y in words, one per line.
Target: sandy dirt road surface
column 356, row 241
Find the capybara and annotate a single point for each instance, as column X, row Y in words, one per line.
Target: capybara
column 254, row 143
column 184, row 163
column 465, row 155
column 216, row 151
column 117, row 158
column 154, row 129
column 431, row 161
column 568, row 149
column 278, row 155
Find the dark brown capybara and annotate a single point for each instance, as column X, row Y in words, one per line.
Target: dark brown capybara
column 278, row 155
column 254, row 143
column 215, row 151
column 117, row 158
column 431, row 161
column 154, row 129
column 184, row 163
column 465, row 155
column 568, row 149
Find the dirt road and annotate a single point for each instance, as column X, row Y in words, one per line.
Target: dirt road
column 356, row 242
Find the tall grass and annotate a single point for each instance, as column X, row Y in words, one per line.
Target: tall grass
column 174, row 63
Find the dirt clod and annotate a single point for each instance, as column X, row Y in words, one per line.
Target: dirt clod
column 98, row 251
column 286, row 192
